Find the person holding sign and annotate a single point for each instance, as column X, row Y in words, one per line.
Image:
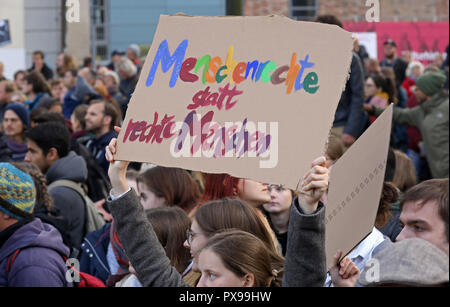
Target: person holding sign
column 154, row 269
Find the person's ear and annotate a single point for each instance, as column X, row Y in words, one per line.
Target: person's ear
column 235, row 191
column 107, row 120
column 4, row 216
column 52, row 155
column 249, row 280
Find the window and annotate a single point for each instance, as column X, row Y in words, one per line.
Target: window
column 304, row 9
column 99, row 29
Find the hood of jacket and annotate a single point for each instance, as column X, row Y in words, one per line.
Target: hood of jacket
column 71, row 167
column 34, row 234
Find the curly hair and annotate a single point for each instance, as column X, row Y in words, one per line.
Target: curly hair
column 43, row 198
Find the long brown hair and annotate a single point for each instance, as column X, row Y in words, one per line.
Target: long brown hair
column 170, row 225
column 232, row 213
column 244, row 253
column 68, row 63
column 175, row 185
column 404, row 175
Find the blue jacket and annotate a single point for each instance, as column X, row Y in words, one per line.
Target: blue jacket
column 98, row 149
column 70, row 104
column 350, row 107
column 93, row 253
column 40, row 261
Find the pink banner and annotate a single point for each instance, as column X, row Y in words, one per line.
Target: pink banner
column 424, row 39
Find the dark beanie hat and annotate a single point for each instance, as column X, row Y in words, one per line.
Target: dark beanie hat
column 21, row 111
column 431, row 83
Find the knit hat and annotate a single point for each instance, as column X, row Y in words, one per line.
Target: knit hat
column 431, row 83
column 17, row 192
column 135, row 48
column 21, row 111
column 413, row 262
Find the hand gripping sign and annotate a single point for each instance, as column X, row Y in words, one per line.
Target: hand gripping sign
column 253, row 97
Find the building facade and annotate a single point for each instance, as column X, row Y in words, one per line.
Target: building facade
column 351, row 10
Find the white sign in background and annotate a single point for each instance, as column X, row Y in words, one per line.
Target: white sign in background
column 13, row 60
column 369, row 40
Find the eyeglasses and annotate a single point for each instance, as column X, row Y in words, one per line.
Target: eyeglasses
column 278, row 187
column 189, row 235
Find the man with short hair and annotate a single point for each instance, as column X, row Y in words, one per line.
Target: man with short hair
column 393, row 61
column 116, row 57
column 420, row 255
column 424, row 213
column 13, row 145
column 39, row 65
column 49, row 149
column 101, row 117
column 31, row 252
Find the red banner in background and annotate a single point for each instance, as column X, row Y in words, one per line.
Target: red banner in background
column 424, row 39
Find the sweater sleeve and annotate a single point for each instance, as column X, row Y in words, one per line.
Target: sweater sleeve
column 305, row 264
column 141, row 244
column 410, row 117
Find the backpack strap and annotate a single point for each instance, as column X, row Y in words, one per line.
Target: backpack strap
column 69, row 184
column 11, row 260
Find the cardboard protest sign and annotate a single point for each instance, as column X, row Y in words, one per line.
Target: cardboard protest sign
column 356, row 182
column 253, row 97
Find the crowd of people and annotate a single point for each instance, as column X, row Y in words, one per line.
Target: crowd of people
column 128, row 224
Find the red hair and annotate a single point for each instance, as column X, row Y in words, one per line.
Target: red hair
column 217, row 186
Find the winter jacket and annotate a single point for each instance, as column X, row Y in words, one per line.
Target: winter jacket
column 305, row 261
column 350, row 107
column 431, row 117
column 11, row 151
column 40, row 261
column 93, row 253
column 98, row 148
column 46, row 71
column 69, row 204
column 70, row 103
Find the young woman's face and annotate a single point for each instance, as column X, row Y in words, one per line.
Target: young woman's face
column 148, row 199
column 370, row 89
column 280, row 199
column 196, row 239
column 215, row 274
column 253, row 192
